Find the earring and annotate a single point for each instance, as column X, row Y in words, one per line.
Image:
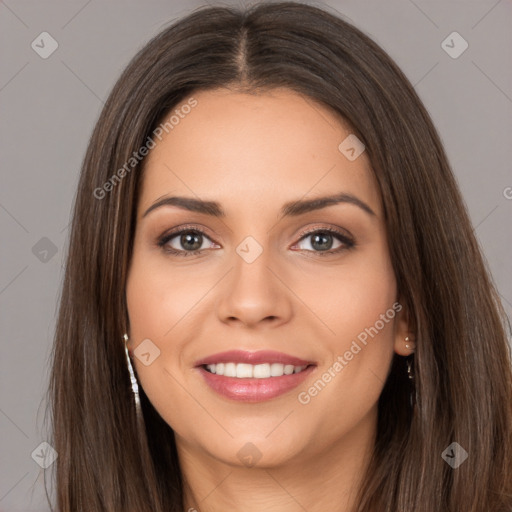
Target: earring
column 410, row 375
column 409, row 346
column 410, row 372
column 135, row 386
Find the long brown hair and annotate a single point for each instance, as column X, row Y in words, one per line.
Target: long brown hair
column 108, row 461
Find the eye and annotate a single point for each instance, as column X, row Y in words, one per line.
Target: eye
column 325, row 241
column 185, row 242
column 191, row 241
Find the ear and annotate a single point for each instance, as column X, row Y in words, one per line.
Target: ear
column 405, row 342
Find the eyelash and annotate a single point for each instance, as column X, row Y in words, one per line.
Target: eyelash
column 348, row 242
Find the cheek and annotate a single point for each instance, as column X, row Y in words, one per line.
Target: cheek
column 358, row 305
column 352, row 297
column 365, row 304
column 159, row 297
column 160, row 306
column 362, row 313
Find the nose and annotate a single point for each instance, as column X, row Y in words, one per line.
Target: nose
column 252, row 294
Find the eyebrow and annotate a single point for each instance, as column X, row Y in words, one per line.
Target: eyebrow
column 290, row 209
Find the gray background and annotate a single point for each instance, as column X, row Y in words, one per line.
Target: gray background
column 48, row 109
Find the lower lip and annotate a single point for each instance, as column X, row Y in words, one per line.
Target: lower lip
column 251, row 389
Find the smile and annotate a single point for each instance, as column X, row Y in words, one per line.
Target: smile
column 246, row 376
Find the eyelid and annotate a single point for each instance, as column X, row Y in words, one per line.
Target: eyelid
column 328, row 229
column 184, row 227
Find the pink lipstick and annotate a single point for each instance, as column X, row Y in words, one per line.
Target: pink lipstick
column 253, row 376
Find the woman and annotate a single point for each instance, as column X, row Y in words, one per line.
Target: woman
column 266, row 220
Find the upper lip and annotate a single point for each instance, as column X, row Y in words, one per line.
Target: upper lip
column 258, row 357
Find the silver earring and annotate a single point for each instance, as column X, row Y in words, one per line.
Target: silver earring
column 133, row 380
column 410, row 373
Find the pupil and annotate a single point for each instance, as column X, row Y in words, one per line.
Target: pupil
column 191, row 238
column 322, row 241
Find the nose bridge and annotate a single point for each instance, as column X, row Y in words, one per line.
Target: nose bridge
column 252, row 293
column 251, row 276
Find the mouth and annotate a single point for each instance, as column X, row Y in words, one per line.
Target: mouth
column 253, row 376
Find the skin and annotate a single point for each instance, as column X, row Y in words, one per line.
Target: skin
column 253, row 153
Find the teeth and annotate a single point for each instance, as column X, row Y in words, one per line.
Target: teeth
column 229, row 370
column 258, row 371
column 243, row 370
column 288, row 369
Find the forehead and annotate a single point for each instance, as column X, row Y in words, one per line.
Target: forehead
column 261, row 148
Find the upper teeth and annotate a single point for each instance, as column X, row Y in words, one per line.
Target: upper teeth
column 258, row 371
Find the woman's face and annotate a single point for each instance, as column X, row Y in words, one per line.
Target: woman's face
column 264, row 268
